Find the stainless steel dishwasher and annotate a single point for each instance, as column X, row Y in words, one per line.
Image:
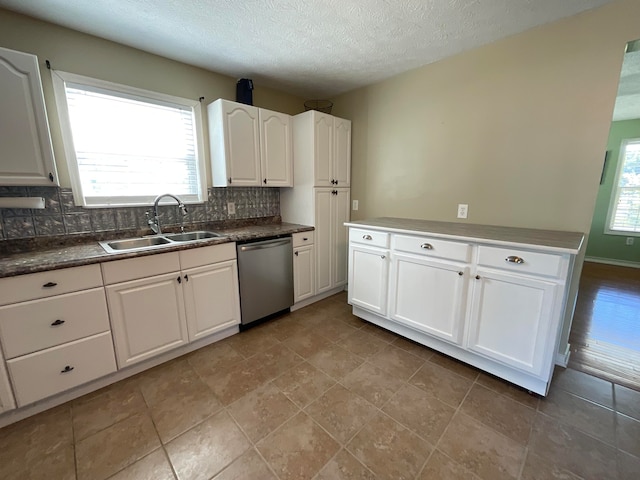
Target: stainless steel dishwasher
column 265, row 271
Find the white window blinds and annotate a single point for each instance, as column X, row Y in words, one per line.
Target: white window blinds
column 127, row 148
column 625, row 213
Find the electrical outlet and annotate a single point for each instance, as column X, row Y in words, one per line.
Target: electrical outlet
column 355, row 205
column 231, row 208
column 463, row 210
column 629, row 240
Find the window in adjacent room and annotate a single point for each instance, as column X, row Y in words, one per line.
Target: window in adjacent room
column 124, row 146
column 624, row 208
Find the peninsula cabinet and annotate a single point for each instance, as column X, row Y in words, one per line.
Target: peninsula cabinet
column 492, row 297
column 249, row 146
column 26, row 156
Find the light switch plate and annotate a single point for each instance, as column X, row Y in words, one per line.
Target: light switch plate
column 355, row 205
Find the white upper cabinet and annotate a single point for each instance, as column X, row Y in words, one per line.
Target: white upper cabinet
column 249, row 146
column 327, row 140
column 26, row 156
column 276, row 149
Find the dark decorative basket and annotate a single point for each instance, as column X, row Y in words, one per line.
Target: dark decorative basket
column 323, row 106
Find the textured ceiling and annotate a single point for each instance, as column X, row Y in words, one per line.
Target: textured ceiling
column 313, row 48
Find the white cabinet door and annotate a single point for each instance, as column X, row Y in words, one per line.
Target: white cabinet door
column 342, row 152
column 147, row 317
column 429, row 295
column 323, row 241
column 368, row 278
column 212, row 302
column 7, row 401
column 340, row 215
column 323, row 149
column 234, row 137
column 511, row 318
column 276, row 149
column 26, row 156
column 303, row 273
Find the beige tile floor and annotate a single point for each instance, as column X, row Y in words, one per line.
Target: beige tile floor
column 321, row 394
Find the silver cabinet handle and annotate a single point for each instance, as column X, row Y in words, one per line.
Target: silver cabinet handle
column 427, row 246
column 382, row 257
column 367, row 237
column 514, row 259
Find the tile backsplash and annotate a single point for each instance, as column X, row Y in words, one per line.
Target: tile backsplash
column 61, row 217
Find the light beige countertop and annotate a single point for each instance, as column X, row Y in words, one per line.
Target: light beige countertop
column 548, row 240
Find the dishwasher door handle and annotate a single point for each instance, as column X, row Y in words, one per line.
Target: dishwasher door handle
column 263, row 245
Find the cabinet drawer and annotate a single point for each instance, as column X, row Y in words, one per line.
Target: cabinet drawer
column 369, row 237
column 46, row 284
column 301, row 239
column 31, row 326
column 140, row 267
column 42, row 374
column 522, row 261
column 198, row 257
column 433, row 247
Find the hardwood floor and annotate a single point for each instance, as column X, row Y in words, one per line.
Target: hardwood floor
column 605, row 335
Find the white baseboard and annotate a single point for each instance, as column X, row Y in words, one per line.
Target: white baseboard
column 317, row 298
column 610, row 261
column 562, row 358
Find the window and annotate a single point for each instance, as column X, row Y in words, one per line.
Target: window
column 624, row 208
column 124, row 146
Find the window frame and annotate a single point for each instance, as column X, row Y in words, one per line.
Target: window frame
column 613, row 199
column 60, row 80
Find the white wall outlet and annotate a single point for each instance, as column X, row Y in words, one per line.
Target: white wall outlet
column 355, row 205
column 231, row 208
column 629, row 240
column 463, row 210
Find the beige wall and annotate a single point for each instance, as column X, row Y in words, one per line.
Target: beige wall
column 516, row 129
column 75, row 52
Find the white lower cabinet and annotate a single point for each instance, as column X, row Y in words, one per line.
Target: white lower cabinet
column 7, row 401
column 147, row 317
column 510, row 319
column 211, row 298
column 54, row 370
column 368, row 278
column 304, row 273
column 164, row 301
column 429, row 295
column 497, row 307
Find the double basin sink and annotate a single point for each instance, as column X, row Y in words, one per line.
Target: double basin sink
column 146, row 243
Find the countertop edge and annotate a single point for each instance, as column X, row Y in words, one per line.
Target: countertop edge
column 571, row 242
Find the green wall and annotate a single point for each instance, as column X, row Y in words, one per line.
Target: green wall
column 612, row 247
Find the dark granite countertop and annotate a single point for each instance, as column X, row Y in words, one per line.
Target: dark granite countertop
column 72, row 252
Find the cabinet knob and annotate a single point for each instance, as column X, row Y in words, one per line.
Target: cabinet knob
column 514, row 259
column 477, row 277
column 295, row 253
column 304, row 239
column 67, row 369
column 367, row 237
column 179, row 279
column 51, row 176
column 57, row 323
column 264, row 181
column 382, row 257
column 229, row 179
column 460, row 273
column 427, row 246
column 186, row 277
column 49, row 284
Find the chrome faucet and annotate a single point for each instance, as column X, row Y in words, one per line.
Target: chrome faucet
column 154, row 223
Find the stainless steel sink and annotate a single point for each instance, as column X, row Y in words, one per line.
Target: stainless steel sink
column 134, row 244
column 191, row 236
column 155, row 241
